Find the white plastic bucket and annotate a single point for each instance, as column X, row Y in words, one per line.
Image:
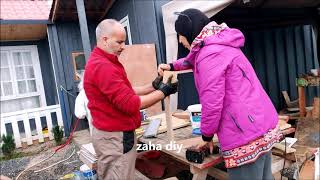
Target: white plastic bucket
column 195, row 117
column 87, row 173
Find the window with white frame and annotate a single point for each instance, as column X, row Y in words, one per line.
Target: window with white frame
column 125, row 22
column 21, row 80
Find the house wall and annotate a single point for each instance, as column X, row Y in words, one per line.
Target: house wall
column 279, row 56
column 65, row 38
column 45, row 65
column 145, row 18
column 145, row 25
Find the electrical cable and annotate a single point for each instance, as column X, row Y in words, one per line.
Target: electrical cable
column 34, row 165
column 55, row 151
column 73, row 152
column 69, row 139
column 67, row 91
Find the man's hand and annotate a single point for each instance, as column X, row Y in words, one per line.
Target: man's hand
column 205, row 143
column 157, row 82
column 168, row 88
column 163, row 67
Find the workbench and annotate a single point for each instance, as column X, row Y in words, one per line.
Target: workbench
column 184, row 136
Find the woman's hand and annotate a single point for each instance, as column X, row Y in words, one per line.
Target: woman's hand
column 205, row 143
column 163, row 67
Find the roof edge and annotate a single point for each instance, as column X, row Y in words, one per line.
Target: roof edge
column 26, row 21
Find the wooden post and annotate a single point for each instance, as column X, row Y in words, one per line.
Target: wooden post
column 198, row 174
column 49, row 124
column 168, row 110
column 27, row 128
column 39, row 126
column 302, row 101
column 167, row 107
column 83, row 28
column 16, row 133
column 3, row 127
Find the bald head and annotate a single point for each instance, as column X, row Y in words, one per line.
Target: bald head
column 107, row 27
column 111, row 36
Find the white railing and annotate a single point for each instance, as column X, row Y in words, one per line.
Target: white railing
column 29, row 135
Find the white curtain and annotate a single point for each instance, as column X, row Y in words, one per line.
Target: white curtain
column 17, row 82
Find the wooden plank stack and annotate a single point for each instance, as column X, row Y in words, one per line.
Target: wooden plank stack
column 88, row 155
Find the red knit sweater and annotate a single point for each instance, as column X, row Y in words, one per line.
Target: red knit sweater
column 113, row 103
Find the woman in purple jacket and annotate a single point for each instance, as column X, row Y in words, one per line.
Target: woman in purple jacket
column 234, row 103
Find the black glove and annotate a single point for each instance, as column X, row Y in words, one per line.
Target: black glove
column 207, row 139
column 171, row 67
column 156, row 82
column 168, row 88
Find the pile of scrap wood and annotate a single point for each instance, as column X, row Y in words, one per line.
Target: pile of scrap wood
column 284, row 126
column 88, row 156
column 298, row 153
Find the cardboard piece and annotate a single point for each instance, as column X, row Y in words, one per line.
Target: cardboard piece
column 140, row 64
column 307, row 171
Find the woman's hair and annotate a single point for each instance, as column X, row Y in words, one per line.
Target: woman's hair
column 190, row 22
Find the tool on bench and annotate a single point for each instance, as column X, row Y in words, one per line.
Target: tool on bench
column 152, row 129
column 197, row 155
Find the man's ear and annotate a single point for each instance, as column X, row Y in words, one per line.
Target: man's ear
column 105, row 39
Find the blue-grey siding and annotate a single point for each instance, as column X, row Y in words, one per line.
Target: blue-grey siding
column 65, row 38
column 145, row 18
column 146, row 27
column 279, row 56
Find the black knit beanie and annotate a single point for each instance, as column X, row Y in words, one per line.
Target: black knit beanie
column 190, row 22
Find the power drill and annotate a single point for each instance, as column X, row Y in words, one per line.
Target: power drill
column 197, row 155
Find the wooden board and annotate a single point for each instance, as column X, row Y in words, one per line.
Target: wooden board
column 168, row 109
column 183, row 134
column 140, row 63
column 316, row 107
column 177, row 123
column 181, row 114
column 284, row 118
column 308, row 132
column 283, row 124
column 307, row 171
column 15, row 32
column 282, row 147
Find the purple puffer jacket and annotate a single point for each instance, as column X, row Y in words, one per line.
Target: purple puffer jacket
column 234, row 103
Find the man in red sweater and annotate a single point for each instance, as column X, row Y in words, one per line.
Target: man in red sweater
column 115, row 104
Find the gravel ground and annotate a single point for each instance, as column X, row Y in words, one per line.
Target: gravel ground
column 12, row 168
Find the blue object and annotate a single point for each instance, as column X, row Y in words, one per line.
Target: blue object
column 89, row 175
column 196, row 131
